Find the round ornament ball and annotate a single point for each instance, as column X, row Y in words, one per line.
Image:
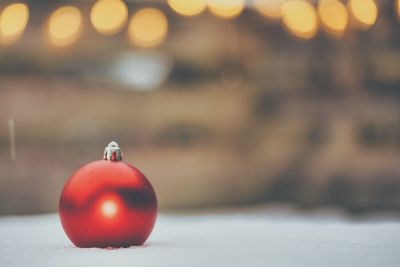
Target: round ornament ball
column 108, row 203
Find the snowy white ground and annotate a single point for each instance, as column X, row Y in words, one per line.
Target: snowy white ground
column 219, row 239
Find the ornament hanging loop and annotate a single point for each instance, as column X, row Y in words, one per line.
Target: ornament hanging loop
column 112, row 152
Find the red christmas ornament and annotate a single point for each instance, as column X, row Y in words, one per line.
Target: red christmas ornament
column 108, row 203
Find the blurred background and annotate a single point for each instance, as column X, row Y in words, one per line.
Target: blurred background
column 219, row 102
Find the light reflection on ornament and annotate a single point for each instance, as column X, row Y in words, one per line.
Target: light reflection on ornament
column 109, row 209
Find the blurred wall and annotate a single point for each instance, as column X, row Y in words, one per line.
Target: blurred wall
column 223, row 113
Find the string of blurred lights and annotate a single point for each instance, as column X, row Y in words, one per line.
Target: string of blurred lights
column 148, row 26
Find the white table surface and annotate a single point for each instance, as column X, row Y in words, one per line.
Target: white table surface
column 219, row 239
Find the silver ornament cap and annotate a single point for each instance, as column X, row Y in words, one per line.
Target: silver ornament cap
column 112, row 152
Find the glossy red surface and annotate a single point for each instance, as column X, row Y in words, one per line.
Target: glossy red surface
column 108, row 204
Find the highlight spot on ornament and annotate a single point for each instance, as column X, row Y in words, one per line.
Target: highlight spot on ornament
column 109, row 209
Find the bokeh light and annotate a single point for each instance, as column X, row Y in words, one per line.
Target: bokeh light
column 269, row 8
column 13, row 22
column 300, row 19
column 64, row 26
column 333, row 16
column 187, row 7
column 364, row 13
column 109, row 209
column 109, row 16
column 397, row 7
column 226, row 8
column 148, row 27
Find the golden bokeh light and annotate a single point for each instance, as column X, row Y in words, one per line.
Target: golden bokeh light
column 187, row 7
column 363, row 12
column 333, row 17
column 269, row 8
column 300, row 19
column 226, row 8
column 109, row 209
column 64, row 26
column 109, row 16
column 397, row 7
column 13, row 21
column 148, row 27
